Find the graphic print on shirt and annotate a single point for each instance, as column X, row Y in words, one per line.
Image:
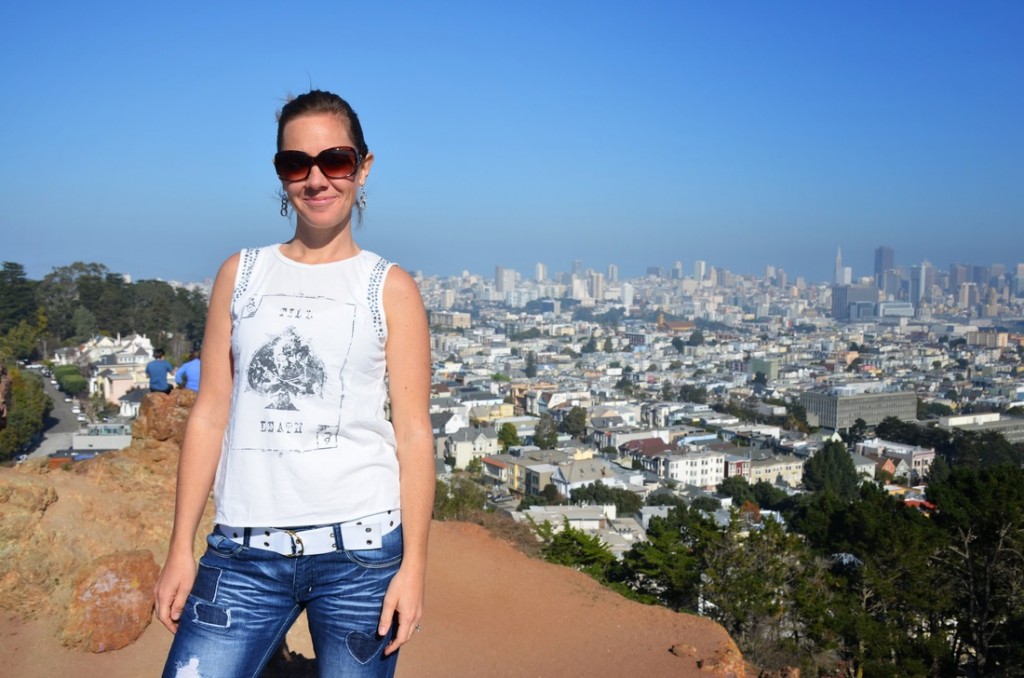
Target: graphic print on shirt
column 286, row 366
column 293, row 373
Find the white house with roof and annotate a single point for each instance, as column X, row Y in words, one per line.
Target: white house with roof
column 700, row 468
column 471, row 443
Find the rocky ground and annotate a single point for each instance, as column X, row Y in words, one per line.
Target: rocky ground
column 77, row 543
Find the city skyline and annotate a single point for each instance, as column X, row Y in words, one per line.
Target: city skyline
column 745, row 136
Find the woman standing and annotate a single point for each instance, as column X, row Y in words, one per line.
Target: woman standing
column 323, row 504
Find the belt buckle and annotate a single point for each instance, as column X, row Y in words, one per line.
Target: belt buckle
column 297, row 547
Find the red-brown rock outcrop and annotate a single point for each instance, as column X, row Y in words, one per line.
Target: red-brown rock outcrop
column 112, row 602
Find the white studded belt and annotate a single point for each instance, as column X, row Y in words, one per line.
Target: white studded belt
column 355, row 535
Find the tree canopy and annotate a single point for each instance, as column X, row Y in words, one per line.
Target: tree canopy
column 832, row 470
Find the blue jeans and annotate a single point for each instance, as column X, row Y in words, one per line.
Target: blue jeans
column 245, row 599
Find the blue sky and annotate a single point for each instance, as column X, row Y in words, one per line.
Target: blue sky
column 740, row 133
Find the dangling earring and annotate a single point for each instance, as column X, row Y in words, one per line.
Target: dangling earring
column 284, row 205
column 362, row 198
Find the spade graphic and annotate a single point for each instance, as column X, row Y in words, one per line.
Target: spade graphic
column 284, row 367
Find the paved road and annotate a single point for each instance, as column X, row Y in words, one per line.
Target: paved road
column 60, row 426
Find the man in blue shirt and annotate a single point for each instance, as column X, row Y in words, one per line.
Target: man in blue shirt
column 158, row 369
column 188, row 374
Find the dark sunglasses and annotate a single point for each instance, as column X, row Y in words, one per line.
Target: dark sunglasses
column 335, row 163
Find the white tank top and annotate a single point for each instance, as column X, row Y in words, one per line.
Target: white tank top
column 307, row 441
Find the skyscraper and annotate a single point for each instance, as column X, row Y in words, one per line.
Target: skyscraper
column 613, row 273
column 504, row 279
column 844, row 274
column 883, row 263
column 541, row 272
column 597, row 286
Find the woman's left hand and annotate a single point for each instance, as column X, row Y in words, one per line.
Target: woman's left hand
column 404, row 601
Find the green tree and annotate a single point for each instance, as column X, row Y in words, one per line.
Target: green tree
column 678, row 344
column 84, row 322
column 462, row 499
column 29, row 408
column 696, row 338
column 626, row 503
column 982, row 513
column 575, row 422
column 590, row 346
column 688, row 393
column 767, row 496
column 667, row 392
column 855, row 433
column 796, row 417
column 551, row 494
column 832, row 470
column 20, row 341
column 706, row 503
column 667, row 567
column 938, row 472
column 545, row 433
column 579, row 550
column 17, row 300
column 608, row 346
column 889, row 607
column 748, row 584
column 508, row 436
column 531, row 365
column 738, row 488
column 58, row 293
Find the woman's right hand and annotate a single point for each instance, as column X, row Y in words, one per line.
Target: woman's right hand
column 173, row 587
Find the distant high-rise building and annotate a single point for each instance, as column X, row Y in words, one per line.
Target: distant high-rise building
column 504, row 279
column 968, row 295
column 613, row 273
column 958, row 275
column 577, row 266
column 769, row 273
column 677, row 270
column 627, row 296
column 700, row 269
column 997, row 274
column 853, row 302
column 838, row 277
column 656, row 271
column 883, row 263
column 597, row 286
column 541, row 272
column 921, row 280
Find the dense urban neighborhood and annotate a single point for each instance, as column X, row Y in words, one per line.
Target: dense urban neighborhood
column 832, row 471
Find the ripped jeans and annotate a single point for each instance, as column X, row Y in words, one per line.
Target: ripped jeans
column 245, row 599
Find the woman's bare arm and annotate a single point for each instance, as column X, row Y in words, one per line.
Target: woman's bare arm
column 200, row 451
column 408, row 364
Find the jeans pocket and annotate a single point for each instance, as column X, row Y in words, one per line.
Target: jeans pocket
column 389, row 554
column 219, row 545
